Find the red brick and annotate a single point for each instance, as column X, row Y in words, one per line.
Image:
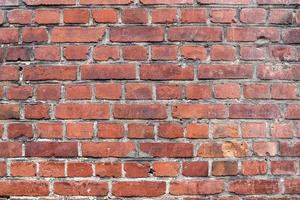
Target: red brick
column 254, row 129
column 136, row 169
column 251, row 34
column 46, row 2
column 138, row 188
column 268, row 72
column 252, row 53
column 225, row 130
column 283, row 53
column 283, row 167
column 252, row 111
column 79, row 130
column 292, row 111
column 168, row 91
column 9, row 111
column 164, row 52
column 257, row 91
column 51, row 149
column 9, row 35
column 281, row 16
column 76, row 16
column 78, row 91
column 20, row 130
column 223, row 15
column 77, row 34
column 167, row 2
column 289, row 149
column 171, row 150
column 139, row 111
column 284, row 91
column 107, row 15
column 137, row 91
column 252, row 187
column 197, row 131
column 292, row 186
column 166, row 72
column 18, row 54
column 253, row 15
column 110, row 130
column 20, row 168
column 163, row 15
column 2, row 168
column 208, row 111
column 47, row 53
column 227, row 91
column 254, row 167
column 37, row 111
column 24, row 188
column 265, row 148
column 106, row 2
column 136, row 34
column 34, row 35
column 223, row 71
column 193, row 52
column 196, row 34
column 224, row 168
column 81, row 188
column 193, row 15
column 79, row 169
column 108, row 149
column 19, row 92
column 226, row 149
column 206, row 187
column 194, row 169
column 166, row 169
column 47, row 16
column 10, row 149
column 76, row 52
column 103, row 53
column 140, row 131
column 290, row 35
column 82, row 111
column 111, row 91
column 135, row 53
column 51, row 169
column 48, row 92
column 222, row 52
column 198, row 91
column 134, row 16
column 19, row 16
column 282, row 130
column 170, row 130
column 108, row 169
column 49, row 130
column 108, row 71
column 239, row 2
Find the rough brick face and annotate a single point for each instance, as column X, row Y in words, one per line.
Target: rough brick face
column 149, row 99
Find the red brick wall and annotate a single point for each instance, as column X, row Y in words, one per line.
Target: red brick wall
column 150, row 99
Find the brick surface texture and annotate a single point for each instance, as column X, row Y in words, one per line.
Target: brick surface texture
column 150, row 99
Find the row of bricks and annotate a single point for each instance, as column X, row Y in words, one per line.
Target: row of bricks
column 167, row 130
column 154, row 72
column 135, row 33
column 142, row 169
column 213, row 149
column 151, row 188
column 144, row 91
column 154, row 53
column 146, row 2
column 101, row 111
column 144, row 16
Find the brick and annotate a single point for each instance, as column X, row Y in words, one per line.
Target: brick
column 108, row 169
column 222, row 52
column 77, row 34
column 284, row 91
column 292, row 111
column 3, row 168
column 163, row 15
column 37, row 111
column 49, row 130
column 166, row 169
column 171, row 150
column 283, row 167
column 19, row 16
column 9, row 35
column 108, row 71
column 224, row 168
column 195, row 34
column 137, row 91
column 281, row 16
column 257, row 91
column 22, row 92
column 47, row 16
column 23, row 169
column 135, row 52
column 170, row 130
column 24, row 188
column 81, row 188
column 106, row 2
column 196, row 187
column 291, row 186
column 250, row 53
column 221, row 150
column 79, row 130
column 20, row 131
column 76, row 52
column 166, row 2
column 252, row 187
column 267, row 72
column 289, row 35
column 223, row 71
column 253, row 15
column 45, row 2
column 79, row 169
column 207, row 111
column 108, row 149
column 282, row 130
column 194, row 169
column 18, row 54
column 138, row 188
column 9, row 111
column 251, row 34
column 283, row 53
column 10, row 149
column 166, row 72
column 48, row 92
column 136, row 169
column 103, row 53
column 82, row 111
column 76, row 16
column 47, row 53
column 140, row 131
column 139, row 111
column 134, row 16
column 287, row 149
column 41, row 72
column 265, row 148
column 9, row 3
column 254, row 129
column 193, row 15
column 192, row 52
column 105, row 15
column 51, row 169
column 51, row 149
column 108, row 91
column 227, row 91
column 197, row 131
column 251, row 111
column 78, row 92
column 168, row 91
column 110, row 130
column 198, row 91
column 34, row 35
column 225, row 130
column 223, row 15
column 164, row 52
column 254, row 167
